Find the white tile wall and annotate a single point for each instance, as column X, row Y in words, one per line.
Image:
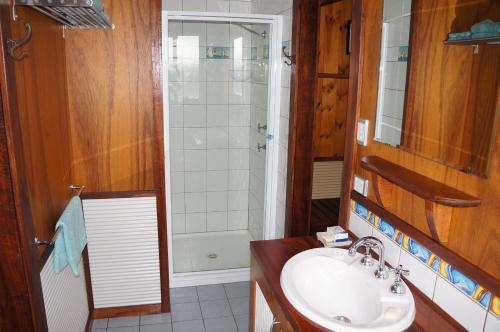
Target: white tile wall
column 202, row 124
column 465, row 311
column 420, row 275
column 391, row 248
column 492, row 323
column 359, row 227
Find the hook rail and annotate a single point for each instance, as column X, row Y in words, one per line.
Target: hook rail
column 290, row 59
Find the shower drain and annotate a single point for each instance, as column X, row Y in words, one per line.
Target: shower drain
column 212, row 256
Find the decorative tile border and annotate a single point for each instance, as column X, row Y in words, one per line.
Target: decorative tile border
column 495, row 306
column 460, row 281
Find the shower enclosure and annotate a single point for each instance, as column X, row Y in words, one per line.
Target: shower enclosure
column 221, row 81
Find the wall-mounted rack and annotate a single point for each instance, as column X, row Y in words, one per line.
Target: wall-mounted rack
column 473, row 41
column 74, row 14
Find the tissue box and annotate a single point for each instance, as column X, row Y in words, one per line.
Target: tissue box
column 338, row 233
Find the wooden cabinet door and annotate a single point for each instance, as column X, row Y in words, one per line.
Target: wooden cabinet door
column 333, row 43
column 330, row 118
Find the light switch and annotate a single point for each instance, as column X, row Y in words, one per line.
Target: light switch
column 362, row 133
column 361, row 185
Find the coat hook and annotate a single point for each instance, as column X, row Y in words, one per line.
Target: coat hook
column 14, row 13
column 290, row 59
column 13, row 45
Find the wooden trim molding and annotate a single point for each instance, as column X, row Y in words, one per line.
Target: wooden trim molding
column 118, row 194
column 353, row 102
column 135, row 310
column 88, row 326
column 159, row 154
column 484, row 279
column 302, row 96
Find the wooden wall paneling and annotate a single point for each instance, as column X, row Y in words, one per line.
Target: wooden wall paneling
column 475, row 234
column 21, row 308
column 447, row 126
column 110, row 88
column 300, row 151
column 330, row 118
column 332, row 56
column 42, row 108
column 115, row 94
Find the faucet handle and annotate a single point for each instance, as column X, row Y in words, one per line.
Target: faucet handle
column 398, row 287
column 400, row 271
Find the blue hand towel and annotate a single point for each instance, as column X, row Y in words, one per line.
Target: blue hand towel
column 72, row 238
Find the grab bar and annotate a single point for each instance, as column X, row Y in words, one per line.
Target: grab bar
column 37, row 242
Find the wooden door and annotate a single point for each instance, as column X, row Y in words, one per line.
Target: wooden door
column 332, row 80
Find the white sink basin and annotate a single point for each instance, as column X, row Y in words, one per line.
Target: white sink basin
column 335, row 291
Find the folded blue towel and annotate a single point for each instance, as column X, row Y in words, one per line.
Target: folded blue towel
column 483, row 29
column 459, row 35
column 486, row 26
column 72, row 238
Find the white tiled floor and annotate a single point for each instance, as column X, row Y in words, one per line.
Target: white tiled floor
column 213, row 308
column 191, row 251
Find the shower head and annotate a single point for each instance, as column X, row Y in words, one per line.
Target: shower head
column 261, row 34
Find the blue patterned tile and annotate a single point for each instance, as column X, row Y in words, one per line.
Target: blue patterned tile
column 386, row 228
column 419, row 251
column 483, row 297
column 361, row 211
column 435, row 264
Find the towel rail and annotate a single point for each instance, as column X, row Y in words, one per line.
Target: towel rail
column 37, row 242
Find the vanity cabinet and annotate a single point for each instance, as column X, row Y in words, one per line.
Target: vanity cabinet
column 266, row 313
column 271, row 311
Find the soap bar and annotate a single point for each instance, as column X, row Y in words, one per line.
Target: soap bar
column 327, row 240
column 339, row 234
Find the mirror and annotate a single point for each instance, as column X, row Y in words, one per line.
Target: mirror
column 438, row 98
column 393, row 69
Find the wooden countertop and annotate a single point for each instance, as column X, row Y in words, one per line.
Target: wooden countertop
column 272, row 255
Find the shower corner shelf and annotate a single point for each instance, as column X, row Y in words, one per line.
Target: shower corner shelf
column 74, row 14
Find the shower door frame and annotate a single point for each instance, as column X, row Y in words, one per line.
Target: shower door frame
column 272, row 150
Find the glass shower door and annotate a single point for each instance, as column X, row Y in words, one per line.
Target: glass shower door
column 218, row 79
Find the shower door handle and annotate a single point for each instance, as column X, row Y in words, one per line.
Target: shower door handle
column 261, row 127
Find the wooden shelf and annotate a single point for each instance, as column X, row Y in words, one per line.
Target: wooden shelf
column 439, row 198
column 472, row 41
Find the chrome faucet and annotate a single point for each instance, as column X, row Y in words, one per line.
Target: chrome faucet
column 398, row 287
column 370, row 242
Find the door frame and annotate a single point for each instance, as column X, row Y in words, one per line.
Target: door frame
column 301, row 132
column 302, row 102
column 22, row 286
column 272, row 155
